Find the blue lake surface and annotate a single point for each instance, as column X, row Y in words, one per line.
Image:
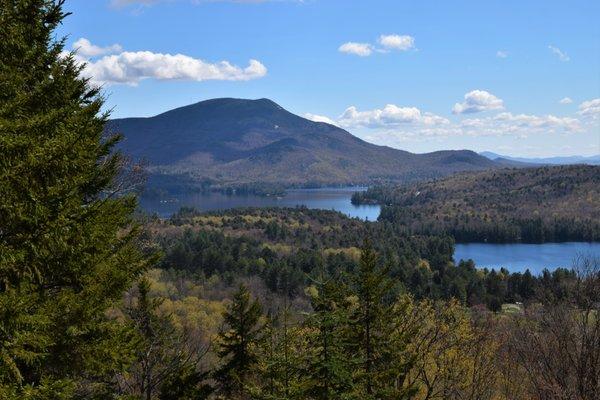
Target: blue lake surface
column 337, row 199
column 518, row 257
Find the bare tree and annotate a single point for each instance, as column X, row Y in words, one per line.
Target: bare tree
column 556, row 344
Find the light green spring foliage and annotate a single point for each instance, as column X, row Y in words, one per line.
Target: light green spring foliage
column 68, row 249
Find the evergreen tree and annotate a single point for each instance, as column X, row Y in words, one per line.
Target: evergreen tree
column 370, row 331
column 328, row 367
column 281, row 353
column 68, row 248
column 238, row 346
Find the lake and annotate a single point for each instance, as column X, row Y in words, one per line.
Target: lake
column 337, row 199
column 518, row 257
column 514, row 257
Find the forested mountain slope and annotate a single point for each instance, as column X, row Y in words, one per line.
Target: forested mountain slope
column 231, row 142
column 532, row 205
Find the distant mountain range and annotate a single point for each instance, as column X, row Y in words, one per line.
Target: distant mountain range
column 591, row 160
column 229, row 142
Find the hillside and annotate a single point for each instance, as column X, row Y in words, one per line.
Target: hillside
column 558, row 203
column 231, row 142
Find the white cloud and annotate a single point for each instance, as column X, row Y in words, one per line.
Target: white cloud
column 391, row 115
column 358, row 49
column 504, row 124
column 590, row 108
column 559, row 53
column 86, row 49
column 565, row 100
column 319, row 118
column 387, row 43
column 394, row 125
column 477, row 101
column 502, row 54
column 397, row 42
column 130, row 68
column 538, row 122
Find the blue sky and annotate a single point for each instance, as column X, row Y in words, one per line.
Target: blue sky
column 515, row 77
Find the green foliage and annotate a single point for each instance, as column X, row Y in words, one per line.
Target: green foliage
column 370, row 331
column 327, row 368
column 532, row 205
column 238, row 344
column 68, row 248
column 166, row 360
column 279, row 367
column 240, row 244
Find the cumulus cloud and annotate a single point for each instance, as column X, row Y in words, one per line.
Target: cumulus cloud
column 565, row 100
column 562, row 56
column 391, row 115
column 126, row 67
column 396, row 42
column 477, row 101
column 394, row 125
column 386, row 43
column 86, row 49
column 590, row 108
column 503, row 124
column 537, row 122
column 319, row 118
column 502, row 54
column 358, row 49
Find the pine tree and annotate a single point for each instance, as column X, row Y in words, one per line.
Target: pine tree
column 328, row 367
column 370, row 331
column 281, row 352
column 68, row 247
column 238, row 346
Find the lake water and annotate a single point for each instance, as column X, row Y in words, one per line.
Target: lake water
column 514, row 257
column 518, row 257
column 337, row 199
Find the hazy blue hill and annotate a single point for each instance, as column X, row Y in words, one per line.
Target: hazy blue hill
column 591, row 160
column 236, row 141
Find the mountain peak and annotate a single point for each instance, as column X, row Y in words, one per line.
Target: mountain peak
column 235, row 141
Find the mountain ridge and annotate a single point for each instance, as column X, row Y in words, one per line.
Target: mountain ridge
column 231, row 142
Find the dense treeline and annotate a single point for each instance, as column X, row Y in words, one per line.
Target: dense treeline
column 533, row 205
column 359, row 337
column 285, row 247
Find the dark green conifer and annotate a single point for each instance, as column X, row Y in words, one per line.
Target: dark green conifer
column 370, row 331
column 68, row 247
column 328, row 366
column 238, row 345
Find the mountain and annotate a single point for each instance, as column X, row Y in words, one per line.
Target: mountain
column 231, row 142
column 542, row 204
column 591, row 160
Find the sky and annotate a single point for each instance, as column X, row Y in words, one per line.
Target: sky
column 519, row 78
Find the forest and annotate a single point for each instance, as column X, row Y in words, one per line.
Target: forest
column 100, row 301
column 530, row 205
